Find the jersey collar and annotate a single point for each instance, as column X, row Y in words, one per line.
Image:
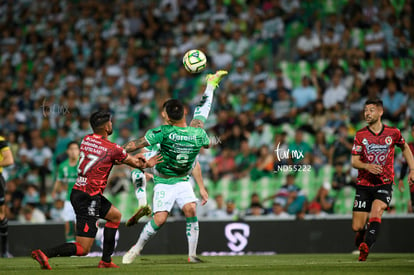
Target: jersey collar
column 379, row 133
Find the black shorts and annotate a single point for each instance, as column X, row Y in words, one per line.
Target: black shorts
column 366, row 195
column 2, row 189
column 88, row 210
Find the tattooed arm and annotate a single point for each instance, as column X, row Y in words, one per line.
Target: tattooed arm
column 196, row 123
column 136, row 144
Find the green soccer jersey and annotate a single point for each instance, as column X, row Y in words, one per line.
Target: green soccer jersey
column 179, row 148
column 68, row 175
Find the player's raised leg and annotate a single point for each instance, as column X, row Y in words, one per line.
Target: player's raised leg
column 139, row 181
column 203, row 108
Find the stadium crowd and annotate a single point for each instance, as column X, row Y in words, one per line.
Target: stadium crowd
column 299, row 73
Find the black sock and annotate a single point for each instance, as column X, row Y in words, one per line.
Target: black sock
column 108, row 243
column 372, row 232
column 63, row 250
column 4, row 233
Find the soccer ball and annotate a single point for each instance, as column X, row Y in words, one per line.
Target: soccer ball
column 194, row 61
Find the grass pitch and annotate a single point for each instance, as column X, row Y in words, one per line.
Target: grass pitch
column 176, row 264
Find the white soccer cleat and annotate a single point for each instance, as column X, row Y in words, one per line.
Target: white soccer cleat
column 194, row 259
column 130, row 256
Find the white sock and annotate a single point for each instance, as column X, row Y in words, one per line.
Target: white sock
column 192, row 235
column 203, row 108
column 140, row 184
column 149, row 230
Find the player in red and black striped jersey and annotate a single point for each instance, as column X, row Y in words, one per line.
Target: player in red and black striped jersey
column 403, row 173
column 97, row 156
column 373, row 156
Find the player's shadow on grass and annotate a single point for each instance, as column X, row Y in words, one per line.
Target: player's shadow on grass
column 175, row 261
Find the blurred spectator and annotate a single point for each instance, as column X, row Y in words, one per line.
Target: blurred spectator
column 44, row 205
column 323, row 202
column 304, row 95
column 320, row 152
column 315, row 210
column 308, row 46
column 56, row 211
column 370, row 12
column 41, row 157
column 255, row 210
column 30, row 214
column 282, row 80
column 264, row 163
column 222, row 60
column 333, row 67
column 256, row 207
column 339, row 177
column 238, row 44
column 232, row 212
column 299, row 149
column 277, row 211
column 394, row 102
column 374, row 41
column 410, row 105
column 330, row 43
column 284, row 109
column 245, row 160
column 31, row 195
column 319, row 116
column 261, row 135
column 335, row 93
column 223, row 165
column 340, row 148
column 352, row 12
column 236, row 137
column 219, row 210
column 239, row 79
column 290, row 197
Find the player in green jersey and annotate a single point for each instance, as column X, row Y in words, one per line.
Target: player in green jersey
column 66, row 178
column 179, row 146
column 139, row 180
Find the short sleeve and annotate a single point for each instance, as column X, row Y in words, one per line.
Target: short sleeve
column 357, row 147
column 399, row 140
column 60, row 174
column 154, row 136
column 3, row 145
column 119, row 153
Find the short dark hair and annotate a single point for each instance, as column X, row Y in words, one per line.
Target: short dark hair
column 374, row 101
column 71, row 143
column 99, row 118
column 174, row 109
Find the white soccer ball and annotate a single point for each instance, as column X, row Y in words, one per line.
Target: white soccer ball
column 194, row 61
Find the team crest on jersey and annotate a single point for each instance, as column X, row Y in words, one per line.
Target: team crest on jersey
column 365, row 141
column 388, row 140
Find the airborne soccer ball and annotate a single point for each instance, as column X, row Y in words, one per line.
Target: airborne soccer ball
column 194, row 61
